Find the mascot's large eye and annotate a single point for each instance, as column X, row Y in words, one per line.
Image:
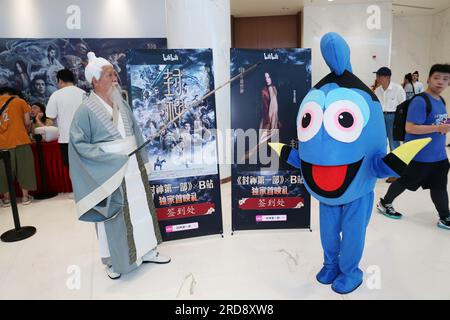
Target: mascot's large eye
column 309, row 121
column 344, row 121
column 306, row 120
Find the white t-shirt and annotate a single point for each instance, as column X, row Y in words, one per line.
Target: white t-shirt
column 410, row 90
column 62, row 106
column 418, row 86
column 392, row 97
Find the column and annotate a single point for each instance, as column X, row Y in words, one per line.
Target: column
column 205, row 24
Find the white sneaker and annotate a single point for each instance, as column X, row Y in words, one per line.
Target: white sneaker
column 27, row 200
column 111, row 274
column 153, row 256
column 6, row 203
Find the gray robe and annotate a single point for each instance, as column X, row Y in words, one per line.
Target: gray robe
column 98, row 179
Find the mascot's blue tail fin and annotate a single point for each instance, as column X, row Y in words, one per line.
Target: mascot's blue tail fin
column 336, row 53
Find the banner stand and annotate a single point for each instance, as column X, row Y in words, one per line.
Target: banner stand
column 267, row 193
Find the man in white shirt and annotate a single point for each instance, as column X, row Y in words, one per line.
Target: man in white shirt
column 62, row 106
column 418, row 86
column 390, row 95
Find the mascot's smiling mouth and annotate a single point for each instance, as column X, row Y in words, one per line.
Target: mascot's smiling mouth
column 330, row 181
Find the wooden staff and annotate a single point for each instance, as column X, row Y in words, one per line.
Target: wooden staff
column 153, row 136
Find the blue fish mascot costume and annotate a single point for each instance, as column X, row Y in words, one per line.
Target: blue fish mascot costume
column 342, row 152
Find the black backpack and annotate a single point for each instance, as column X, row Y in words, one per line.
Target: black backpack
column 402, row 112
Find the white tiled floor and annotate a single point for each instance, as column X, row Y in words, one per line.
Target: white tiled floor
column 411, row 255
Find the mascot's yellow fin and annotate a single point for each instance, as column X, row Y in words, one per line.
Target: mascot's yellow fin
column 399, row 159
column 407, row 151
column 277, row 147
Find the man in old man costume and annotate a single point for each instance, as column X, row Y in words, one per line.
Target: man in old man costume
column 111, row 188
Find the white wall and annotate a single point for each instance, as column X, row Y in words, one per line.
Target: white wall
column 349, row 20
column 98, row 19
column 411, row 46
column 440, row 48
column 418, row 42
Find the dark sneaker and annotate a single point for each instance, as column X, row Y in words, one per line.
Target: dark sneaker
column 388, row 210
column 6, row 203
column 444, row 224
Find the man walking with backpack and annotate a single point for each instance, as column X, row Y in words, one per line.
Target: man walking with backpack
column 430, row 166
column 390, row 95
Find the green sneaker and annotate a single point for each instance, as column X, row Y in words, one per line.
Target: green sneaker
column 444, row 224
column 388, row 210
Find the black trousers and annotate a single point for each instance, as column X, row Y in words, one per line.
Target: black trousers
column 431, row 176
column 64, row 147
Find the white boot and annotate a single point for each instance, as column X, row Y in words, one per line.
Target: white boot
column 110, row 272
column 153, row 256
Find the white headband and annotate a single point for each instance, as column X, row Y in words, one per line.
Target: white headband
column 94, row 67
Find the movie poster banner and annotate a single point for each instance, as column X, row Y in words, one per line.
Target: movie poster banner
column 266, row 193
column 166, row 87
column 30, row 65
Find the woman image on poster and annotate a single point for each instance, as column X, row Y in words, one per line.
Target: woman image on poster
column 269, row 116
column 269, row 123
column 21, row 77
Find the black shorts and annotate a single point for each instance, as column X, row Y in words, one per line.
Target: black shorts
column 64, row 147
column 428, row 175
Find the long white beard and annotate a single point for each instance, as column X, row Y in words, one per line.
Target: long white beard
column 115, row 93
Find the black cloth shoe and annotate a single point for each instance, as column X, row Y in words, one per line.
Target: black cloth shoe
column 388, row 210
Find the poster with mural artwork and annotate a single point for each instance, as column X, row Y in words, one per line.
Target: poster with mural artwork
column 30, row 65
column 166, row 89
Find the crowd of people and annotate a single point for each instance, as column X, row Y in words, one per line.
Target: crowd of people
column 19, row 124
column 91, row 124
column 61, row 106
column 80, row 119
column 430, row 167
